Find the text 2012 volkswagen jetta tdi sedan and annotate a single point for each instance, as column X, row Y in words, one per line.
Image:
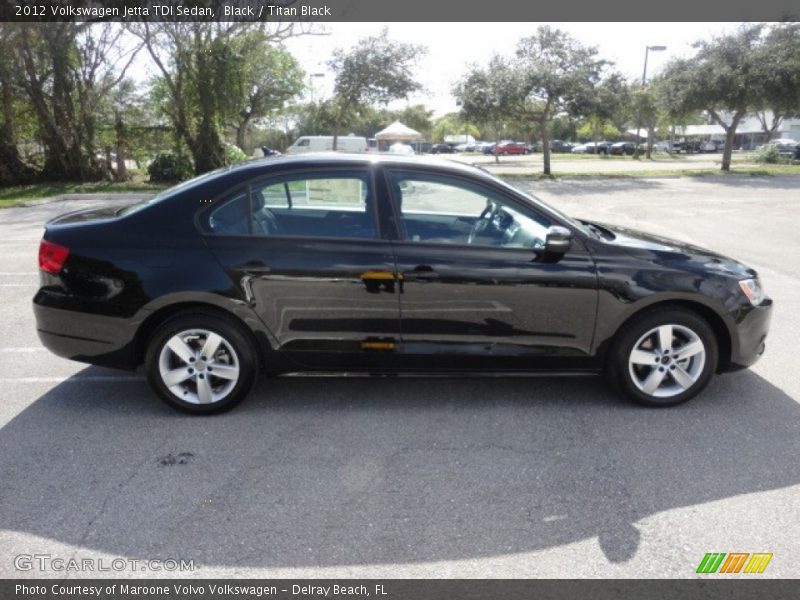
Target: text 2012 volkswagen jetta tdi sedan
column 347, row 264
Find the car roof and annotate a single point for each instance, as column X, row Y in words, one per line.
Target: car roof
column 328, row 159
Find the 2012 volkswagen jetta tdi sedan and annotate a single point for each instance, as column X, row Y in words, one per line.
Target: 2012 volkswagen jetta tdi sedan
column 380, row 265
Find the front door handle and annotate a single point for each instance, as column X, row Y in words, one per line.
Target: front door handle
column 422, row 273
column 255, row 267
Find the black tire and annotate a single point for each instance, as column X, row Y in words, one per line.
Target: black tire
column 235, row 350
column 624, row 375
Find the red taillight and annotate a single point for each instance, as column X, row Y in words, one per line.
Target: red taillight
column 52, row 257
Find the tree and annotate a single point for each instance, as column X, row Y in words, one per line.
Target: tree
column 725, row 79
column 779, row 63
column 605, row 109
column 269, row 78
column 199, row 64
column 556, row 74
column 597, row 128
column 67, row 72
column 486, row 95
column 644, row 100
column 453, row 124
column 376, row 71
column 13, row 170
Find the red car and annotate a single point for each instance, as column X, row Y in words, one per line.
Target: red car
column 510, row 148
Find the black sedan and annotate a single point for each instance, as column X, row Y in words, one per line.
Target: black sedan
column 442, row 149
column 621, row 148
column 383, row 266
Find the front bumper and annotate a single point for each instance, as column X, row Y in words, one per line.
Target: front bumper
column 752, row 326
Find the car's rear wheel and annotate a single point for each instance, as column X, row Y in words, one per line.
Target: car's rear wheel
column 201, row 364
column 663, row 358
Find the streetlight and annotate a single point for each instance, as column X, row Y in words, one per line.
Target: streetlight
column 647, row 51
column 311, row 77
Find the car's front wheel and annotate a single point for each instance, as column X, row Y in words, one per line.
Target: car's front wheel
column 201, row 364
column 663, row 358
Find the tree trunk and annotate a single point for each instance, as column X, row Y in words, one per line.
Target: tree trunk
column 649, row 153
column 122, row 169
column 12, row 170
column 207, row 150
column 545, row 146
column 728, row 151
column 769, row 129
column 241, row 133
column 730, row 131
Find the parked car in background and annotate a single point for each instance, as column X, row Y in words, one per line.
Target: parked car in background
column 621, row 148
column 535, row 147
column 661, row 146
column 510, row 148
column 312, row 263
column 488, row 148
column 784, row 145
column 592, row 148
column 561, row 146
column 324, row 143
column 401, row 148
column 711, row 146
column 461, row 147
column 796, row 152
column 442, row 149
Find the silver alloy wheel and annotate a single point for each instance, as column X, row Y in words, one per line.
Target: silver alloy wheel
column 667, row 360
column 199, row 366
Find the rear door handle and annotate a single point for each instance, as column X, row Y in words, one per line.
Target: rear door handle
column 421, row 273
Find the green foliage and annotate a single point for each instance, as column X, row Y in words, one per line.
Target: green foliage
column 596, row 129
column 453, row 124
column 234, row 154
column 551, row 73
column 376, row 71
column 217, row 75
column 169, row 167
column 770, row 154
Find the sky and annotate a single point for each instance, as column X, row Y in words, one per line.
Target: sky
column 453, row 46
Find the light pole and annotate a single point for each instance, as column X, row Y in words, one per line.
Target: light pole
column 647, row 51
column 311, row 77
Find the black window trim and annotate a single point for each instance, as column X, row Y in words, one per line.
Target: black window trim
column 367, row 169
column 514, row 201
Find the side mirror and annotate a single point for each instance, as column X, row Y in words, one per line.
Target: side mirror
column 557, row 240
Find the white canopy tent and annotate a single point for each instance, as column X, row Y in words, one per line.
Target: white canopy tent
column 397, row 132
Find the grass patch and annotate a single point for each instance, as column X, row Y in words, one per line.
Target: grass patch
column 16, row 195
column 750, row 171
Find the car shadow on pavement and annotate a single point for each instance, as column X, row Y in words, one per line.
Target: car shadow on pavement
column 330, row 472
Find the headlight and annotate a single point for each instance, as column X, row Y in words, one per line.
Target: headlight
column 752, row 289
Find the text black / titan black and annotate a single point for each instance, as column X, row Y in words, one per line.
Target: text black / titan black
column 350, row 264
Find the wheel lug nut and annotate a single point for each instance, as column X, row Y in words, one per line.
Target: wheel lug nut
column 191, row 370
column 202, row 376
column 191, row 359
column 660, row 369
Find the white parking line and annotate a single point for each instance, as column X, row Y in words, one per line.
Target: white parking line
column 31, row 284
column 68, row 379
column 22, row 350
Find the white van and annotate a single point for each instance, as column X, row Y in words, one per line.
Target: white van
column 324, row 143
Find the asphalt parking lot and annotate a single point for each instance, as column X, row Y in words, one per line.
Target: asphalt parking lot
column 541, row 477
